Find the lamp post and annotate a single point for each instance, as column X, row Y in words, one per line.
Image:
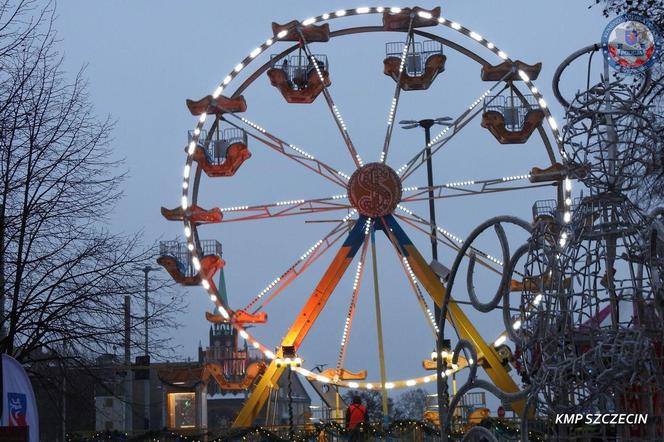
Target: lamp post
column 441, row 387
column 427, row 124
column 146, row 381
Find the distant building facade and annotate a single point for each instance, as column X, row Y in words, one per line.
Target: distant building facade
column 183, row 396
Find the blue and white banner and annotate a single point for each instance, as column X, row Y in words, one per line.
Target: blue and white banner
column 19, row 408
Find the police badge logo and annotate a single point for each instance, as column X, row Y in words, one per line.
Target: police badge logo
column 631, row 43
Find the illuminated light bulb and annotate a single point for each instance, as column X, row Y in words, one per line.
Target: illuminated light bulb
column 282, row 34
column 476, row 36
column 308, row 21
column 256, row 344
column 239, row 67
column 567, row 217
column 340, row 13
column 369, row 386
column 187, row 171
column 433, row 355
column 255, row 52
column 202, row 118
column 502, row 55
column 490, row 45
column 501, row 339
column 353, row 384
column 323, row 379
column 444, row 354
column 426, row 379
column 568, row 201
column 287, row 361
column 553, row 123
column 523, row 75
column 187, row 231
column 196, row 262
column 538, row 299
column 411, row 382
column 297, row 362
column 326, row 16
column 269, row 354
column 192, row 147
column 269, row 42
column 244, row 334
column 395, row 10
column 517, row 324
column 534, row 90
column 223, row 312
column 389, row 385
column 448, row 372
column 362, row 10
column 424, row 14
column 441, row 20
column 470, row 361
column 568, row 184
column 217, row 92
column 542, row 103
column 205, row 284
column 190, row 246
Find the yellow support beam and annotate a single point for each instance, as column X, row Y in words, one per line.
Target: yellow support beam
column 464, row 327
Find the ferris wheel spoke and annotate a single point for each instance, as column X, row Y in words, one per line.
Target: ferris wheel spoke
column 447, row 134
column 412, row 279
column 284, row 208
column 357, row 281
column 470, row 188
column 453, row 241
column 418, row 224
column 394, row 104
column 305, row 260
column 325, row 287
column 290, row 151
column 336, row 113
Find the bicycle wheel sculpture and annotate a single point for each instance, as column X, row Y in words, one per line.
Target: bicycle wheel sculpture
column 374, row 197
column 592, row 318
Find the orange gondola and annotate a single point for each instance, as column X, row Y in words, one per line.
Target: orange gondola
column 424, row 61
column 298, row 77
column 223, row 153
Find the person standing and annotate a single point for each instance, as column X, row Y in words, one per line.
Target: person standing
column 356, row 416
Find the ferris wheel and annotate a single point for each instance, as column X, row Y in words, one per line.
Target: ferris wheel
column 372, row 197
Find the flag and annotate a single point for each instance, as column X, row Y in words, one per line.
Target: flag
column 19, row 408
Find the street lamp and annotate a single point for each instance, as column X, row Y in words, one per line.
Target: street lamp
column 427, row 124
column 147, row 270
column 146, row 382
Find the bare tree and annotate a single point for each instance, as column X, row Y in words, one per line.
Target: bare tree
column 411, row 405
column 63, row 273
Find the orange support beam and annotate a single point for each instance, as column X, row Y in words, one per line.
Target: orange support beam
column 303, row 323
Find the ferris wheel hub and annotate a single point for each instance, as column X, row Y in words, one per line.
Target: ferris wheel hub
column 374, row 190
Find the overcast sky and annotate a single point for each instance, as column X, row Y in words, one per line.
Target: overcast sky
column 145, row 58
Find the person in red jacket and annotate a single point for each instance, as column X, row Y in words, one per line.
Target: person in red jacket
column 356, row 413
